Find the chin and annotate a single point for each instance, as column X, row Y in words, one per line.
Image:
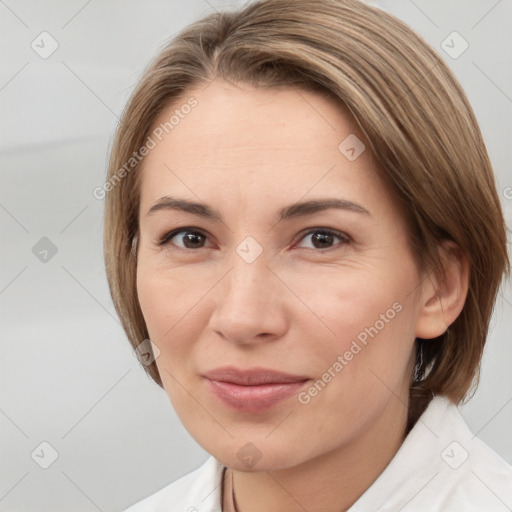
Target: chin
column 257, row 455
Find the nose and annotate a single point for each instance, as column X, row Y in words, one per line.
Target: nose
column 250, row 304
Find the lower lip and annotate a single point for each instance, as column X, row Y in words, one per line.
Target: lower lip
column 254, row 398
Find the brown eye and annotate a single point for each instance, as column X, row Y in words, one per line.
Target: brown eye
column 324, row 238
column 190, row 239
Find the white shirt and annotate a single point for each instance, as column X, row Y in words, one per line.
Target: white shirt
column 440, row 466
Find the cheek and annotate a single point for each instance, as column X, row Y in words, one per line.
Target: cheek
column 171, row 310
column 363, row 334
column 341, row 307
column 169, row 306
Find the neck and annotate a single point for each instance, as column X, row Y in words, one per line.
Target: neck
column 331, row 482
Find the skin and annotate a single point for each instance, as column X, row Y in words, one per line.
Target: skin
column 247, row 153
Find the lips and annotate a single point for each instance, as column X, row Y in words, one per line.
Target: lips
column 252, row 390
column 252, row 377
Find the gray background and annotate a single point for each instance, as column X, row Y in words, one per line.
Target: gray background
column 68, row 375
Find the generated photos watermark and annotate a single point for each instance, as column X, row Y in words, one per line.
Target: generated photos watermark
column 152, row 141
column 361, row 340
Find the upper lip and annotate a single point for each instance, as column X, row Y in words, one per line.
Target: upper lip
column 252, row 376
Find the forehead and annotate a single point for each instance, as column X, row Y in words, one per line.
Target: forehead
column 265, row 142
column 236, row 115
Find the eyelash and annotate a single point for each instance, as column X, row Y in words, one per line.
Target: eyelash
column 345, row 239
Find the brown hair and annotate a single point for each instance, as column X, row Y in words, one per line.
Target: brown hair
column 417, row 120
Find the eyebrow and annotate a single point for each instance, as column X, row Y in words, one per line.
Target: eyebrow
column 301, row 209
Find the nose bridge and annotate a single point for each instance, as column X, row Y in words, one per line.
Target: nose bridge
column 247, row 301
column 247, row 287
column 248, row 270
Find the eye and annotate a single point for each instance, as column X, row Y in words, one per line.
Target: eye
column 193, row 238
column 324, row 237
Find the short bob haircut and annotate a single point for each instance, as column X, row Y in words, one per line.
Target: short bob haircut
column 415, row 115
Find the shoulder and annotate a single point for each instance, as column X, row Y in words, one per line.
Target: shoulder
column 196, row 491
column 467, row 474
column 475, row 475
column 441, row 467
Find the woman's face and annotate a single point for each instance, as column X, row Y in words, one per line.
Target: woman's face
column 253, row 280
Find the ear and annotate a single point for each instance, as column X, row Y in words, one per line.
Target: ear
column 444, row 293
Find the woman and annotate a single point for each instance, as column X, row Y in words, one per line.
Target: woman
column 304, row 240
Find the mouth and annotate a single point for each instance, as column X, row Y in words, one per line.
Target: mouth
column 253, row 390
